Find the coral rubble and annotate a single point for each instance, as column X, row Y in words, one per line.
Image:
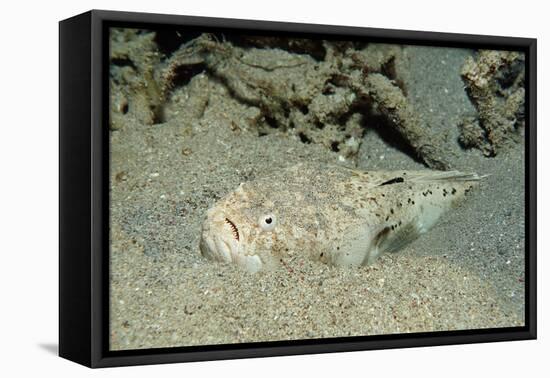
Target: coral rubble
column 133, row 89
column 495, row 83
column 317, row 101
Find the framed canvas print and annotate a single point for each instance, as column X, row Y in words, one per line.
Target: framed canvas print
column 234, row 188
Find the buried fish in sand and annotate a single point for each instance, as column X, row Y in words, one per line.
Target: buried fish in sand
column 332, row 214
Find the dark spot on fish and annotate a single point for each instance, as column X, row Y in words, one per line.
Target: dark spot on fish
column 412, row 202
column 391, row 211
column 453, row 191
column 383, row 195
column 321, row 255
column 381, row 236
column 393, row 181
column 388, row 217
column 337, row 248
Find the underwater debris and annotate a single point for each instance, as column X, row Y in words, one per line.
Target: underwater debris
column 191, row 101
column 495, row 84
column 312, row 47
column 473, row 136
column 133, row 89
column 272, row 79
column 324, row 101
column 389, row 100
column 378, row 57
column 189, row 55
column 289, row 82
column 290, row 90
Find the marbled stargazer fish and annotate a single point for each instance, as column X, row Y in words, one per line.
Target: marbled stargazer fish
column 333, row 214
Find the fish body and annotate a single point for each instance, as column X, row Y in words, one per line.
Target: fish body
column 332, row 214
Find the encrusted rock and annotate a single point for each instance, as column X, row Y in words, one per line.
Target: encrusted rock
column 495, row 83
column 134, row 92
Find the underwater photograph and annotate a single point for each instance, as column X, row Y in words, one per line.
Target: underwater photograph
column 272, row 188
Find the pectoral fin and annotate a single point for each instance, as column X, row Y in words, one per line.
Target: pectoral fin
column 392, row 240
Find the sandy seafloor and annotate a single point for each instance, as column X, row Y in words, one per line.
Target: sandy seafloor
column 466, row 273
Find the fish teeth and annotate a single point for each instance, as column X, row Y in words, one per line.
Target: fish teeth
column 234, row 228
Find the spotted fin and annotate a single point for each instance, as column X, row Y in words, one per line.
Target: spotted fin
column 389, row 240
column 389, row 179
column 363, row 247
column 432, row 176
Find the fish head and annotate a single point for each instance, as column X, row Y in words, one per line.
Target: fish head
column 240, row 230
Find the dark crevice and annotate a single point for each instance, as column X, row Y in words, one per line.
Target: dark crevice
column 388, row 69
column 169, row 41
column 328, row 90
column 381, row 125
column 271, row 122
column 286, row 110
column 304, row 138
column 506, row 77
column 184, row 74
column 157, row 115
column 311, row 47
column 344, row 117
column 123, row 62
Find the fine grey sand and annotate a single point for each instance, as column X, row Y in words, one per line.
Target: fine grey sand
column 466, row 273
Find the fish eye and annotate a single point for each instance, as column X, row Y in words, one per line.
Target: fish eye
column 267, row 222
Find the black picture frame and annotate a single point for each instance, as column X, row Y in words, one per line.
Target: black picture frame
column 83, row 196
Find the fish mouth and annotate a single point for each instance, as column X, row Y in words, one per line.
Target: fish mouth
column 223, row 241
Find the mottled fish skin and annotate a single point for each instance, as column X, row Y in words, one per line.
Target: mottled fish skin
column 332, row 214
